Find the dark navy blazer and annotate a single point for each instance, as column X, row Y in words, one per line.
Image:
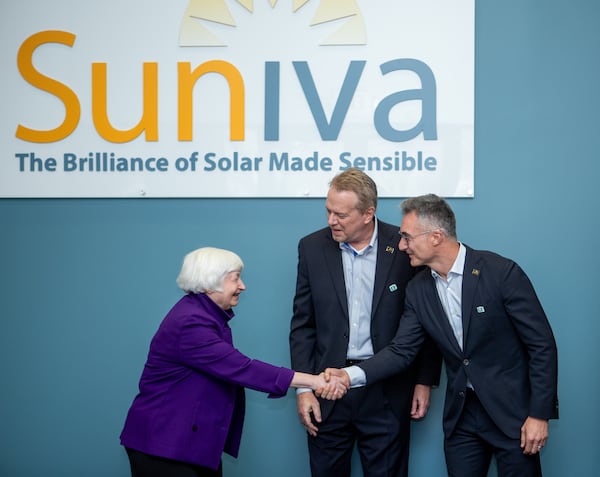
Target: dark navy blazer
column 320, row 326
column 509, row 352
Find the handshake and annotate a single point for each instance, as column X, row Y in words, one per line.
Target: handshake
column 332, row 384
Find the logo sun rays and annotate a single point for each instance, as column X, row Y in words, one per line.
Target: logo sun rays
column 194, row 33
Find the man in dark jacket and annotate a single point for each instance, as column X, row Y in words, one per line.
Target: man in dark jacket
column 499, row 350
column 349, row 300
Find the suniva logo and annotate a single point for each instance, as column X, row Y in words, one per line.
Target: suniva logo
column 193, row 31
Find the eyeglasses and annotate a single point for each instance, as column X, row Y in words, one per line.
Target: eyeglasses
column 410, row 238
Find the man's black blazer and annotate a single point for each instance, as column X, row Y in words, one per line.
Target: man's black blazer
column 320, row 329
column 509, row 353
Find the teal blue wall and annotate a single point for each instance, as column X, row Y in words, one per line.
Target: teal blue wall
column 84, row 283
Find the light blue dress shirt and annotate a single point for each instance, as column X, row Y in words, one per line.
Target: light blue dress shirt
column 359, row 278
column 450, row 293
column 359, row 290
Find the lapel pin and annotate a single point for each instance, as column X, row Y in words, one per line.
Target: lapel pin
column 389, row 249
column 393, row 287
column 480, row 309
column 475, row 272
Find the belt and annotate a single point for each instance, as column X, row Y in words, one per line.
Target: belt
column 353, row 362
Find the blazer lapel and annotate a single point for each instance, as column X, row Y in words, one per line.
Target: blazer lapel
column 433, row 298
column 386, row 251
column 471, row 274
column 333, row 260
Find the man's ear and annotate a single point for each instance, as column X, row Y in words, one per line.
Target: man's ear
column 437, row 237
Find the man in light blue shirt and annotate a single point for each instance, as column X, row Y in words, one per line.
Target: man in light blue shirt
column 349, row 299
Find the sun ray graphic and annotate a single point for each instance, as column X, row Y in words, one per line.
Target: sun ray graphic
column 195, row 32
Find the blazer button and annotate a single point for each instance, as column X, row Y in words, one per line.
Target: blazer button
column 194, row 428
column 461, row 394
column 465, row 362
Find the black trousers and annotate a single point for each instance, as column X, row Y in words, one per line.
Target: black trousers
column 476, row 438
column 144, row 465
column 362, row 417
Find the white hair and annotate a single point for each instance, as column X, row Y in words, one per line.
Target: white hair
column 204, row 269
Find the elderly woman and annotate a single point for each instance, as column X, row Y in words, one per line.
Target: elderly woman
column 190, row 405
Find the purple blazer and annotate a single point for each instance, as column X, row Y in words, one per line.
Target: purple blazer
column 190, row 406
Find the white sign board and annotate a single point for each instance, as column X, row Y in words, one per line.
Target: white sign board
column 263, row 98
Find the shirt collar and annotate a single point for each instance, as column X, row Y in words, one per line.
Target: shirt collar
column 372, row 243
column 459, row 263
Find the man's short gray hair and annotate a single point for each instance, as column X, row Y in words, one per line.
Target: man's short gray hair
column 433, row 211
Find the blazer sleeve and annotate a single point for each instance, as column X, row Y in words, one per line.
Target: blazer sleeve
column 531, row 324
column 428, row 363
column 203, row 348
column 303, row 326
column 402, row 350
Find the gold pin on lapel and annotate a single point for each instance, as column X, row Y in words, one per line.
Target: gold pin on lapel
column 389, row 249
column 475, row 272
